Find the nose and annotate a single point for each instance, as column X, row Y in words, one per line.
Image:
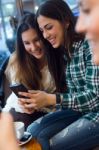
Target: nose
column 46, row 34
column 80, row 25
column 33, row 47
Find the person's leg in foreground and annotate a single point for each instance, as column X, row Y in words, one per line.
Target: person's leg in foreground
column 80, row 135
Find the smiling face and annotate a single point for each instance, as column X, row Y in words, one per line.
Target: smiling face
column 32, row 43
column 88, row 23
column 52, row 30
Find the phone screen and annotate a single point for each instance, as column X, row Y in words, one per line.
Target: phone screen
column 18, row 88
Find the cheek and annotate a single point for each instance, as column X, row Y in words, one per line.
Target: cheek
column 94, row 23
column 96, row 58
column 58, row 33
column 27, row 48
column 38, row 44
column 95, row 26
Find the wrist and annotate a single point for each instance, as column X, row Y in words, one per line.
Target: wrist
column 59, row 98
column 51, row 99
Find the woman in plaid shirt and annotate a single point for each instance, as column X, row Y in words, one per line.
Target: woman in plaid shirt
column 79, row 115
column 93, row 30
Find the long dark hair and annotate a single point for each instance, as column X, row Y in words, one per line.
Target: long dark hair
column 27, row 69
column 57, row 65
column 26, row 66
column 59, row 10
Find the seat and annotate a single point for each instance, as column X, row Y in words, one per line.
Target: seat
column 4, row 57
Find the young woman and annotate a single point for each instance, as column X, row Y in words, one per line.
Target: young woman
column 31, row 66
column 94, row 32
column 79, row 116
column 90, row 16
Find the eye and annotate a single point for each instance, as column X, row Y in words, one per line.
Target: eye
column 49, row 27
column 85, row 10
column 26, row 43
column 37, row 39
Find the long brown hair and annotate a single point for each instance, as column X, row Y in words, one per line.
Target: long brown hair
column 60, row 11
column 25, row 65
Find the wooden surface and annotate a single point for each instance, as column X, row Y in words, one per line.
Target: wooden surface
column 32, row 145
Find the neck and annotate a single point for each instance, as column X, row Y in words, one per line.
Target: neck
column 42, row 62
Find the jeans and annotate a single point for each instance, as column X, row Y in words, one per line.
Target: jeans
column 80, row 135
column 51, row 124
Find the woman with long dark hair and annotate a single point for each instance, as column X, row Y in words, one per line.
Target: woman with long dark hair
column 31, row 66
column 83, row 141
column 79, row 104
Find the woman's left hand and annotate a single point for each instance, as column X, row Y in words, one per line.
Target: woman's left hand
column 35, row 101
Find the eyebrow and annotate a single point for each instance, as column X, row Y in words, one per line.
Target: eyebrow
column 79, row 3
column 46, row 25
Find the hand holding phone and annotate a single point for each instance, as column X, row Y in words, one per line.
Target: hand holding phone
column 18, row 88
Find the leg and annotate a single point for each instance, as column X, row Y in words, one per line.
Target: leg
column 52, row 124
column 80, row 135
column 26, row 118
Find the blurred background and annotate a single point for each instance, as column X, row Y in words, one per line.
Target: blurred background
column 11, row 10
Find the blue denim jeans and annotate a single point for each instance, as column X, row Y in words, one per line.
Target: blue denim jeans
column 83, row 134
column 51, row 124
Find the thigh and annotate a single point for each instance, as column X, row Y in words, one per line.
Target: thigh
column 80, row 135
column 34, row 128
column 53, row 123
column 67, row 116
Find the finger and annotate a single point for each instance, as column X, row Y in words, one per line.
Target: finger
column 33, row 91
column 27, row 95
column 22, row 100
column 30, row 106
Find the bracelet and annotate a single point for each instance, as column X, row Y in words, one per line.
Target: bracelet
column 58, row 98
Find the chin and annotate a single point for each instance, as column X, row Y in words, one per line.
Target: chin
column 38, row 57
column 96, row 54
column 55, row 46
column 96, row 59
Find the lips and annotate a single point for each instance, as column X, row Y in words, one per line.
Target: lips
column 37, row 52
column 52, row 41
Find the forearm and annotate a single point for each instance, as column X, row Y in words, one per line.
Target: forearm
column 10, row 145
column 84, row 101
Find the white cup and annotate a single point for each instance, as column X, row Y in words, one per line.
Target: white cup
column 19, row 129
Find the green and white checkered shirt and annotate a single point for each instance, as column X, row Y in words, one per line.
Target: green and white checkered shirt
column 82, row 78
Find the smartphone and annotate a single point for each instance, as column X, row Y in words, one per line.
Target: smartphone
column 18, row 88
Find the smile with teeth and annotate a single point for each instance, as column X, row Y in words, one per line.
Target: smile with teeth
column 37, row 51
column 52, row 41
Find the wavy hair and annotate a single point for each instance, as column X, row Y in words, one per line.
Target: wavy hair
column 26, row 66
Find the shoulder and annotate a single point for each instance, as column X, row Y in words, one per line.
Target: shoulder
column 11, row 67
column 82, row 46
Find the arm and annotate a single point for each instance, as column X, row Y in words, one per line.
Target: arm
column 87, row 99
column 83, row 100
column 8, row 139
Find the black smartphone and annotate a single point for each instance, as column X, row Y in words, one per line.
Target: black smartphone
column 18, row 88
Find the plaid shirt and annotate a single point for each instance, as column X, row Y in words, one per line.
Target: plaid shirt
column 82, row 77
